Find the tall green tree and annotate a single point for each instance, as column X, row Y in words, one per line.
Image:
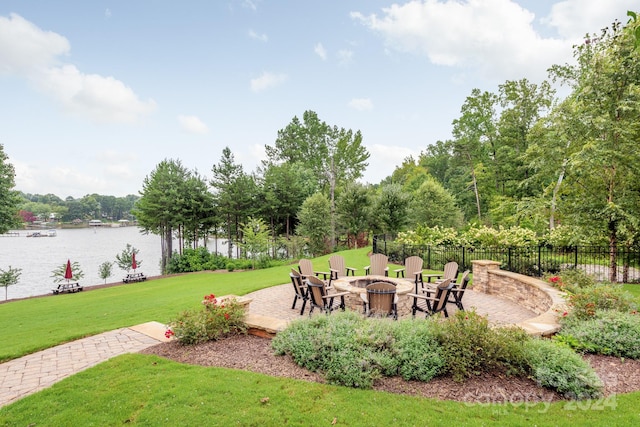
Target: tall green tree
column 160, row 208
column 9, row 198
column 236, row 196
column 199, row 211
column 335, row 155
column 475, row 140
column 285, row 187
column 433, row 205
column 315, row 223
column 391, row 209
column 603, row 169
column 353, row 207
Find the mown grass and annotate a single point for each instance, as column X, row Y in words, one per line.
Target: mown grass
column 147, row 390
column 34, row 324
column 150, row 391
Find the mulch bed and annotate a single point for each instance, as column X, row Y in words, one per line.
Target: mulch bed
column 251, row 353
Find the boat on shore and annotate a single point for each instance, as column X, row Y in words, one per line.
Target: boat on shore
column 48, row 233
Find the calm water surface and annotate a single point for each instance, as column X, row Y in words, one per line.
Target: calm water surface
column 90, row 247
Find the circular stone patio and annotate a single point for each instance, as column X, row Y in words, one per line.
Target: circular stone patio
column 276, row 302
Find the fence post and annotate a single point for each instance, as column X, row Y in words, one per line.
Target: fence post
column 540, row 260
column 509, row 259
column 575, row 260
column 464, row 264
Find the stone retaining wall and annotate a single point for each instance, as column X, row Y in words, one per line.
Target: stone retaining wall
column 534, row 294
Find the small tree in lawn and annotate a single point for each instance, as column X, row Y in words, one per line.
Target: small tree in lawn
column 256, row 238
column 125, row 258
column 59, row 273
column 9, row 277
column 105, row 270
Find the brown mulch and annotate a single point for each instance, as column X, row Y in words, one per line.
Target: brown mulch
column 251, row 353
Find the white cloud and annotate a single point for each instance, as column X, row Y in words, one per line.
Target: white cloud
column 267, row 81
column 384, row 159
column 25, row 47
column 320, row 51
column 361, row 104
column 573, row 19
column 103, row 99
column 494, row 36
column 193, row 124
column 260, row 37
column 26, row 50
column 107, row 13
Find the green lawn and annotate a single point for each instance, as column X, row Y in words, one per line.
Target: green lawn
column 146, row 390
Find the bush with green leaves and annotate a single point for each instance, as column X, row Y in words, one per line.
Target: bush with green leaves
column 419, row 352
column 196, row 260
column 558, row 367
column 586, row 301
column 470, row 346
column 347, row 348
column 354, row 351
column 607, row 332
column 213, row 321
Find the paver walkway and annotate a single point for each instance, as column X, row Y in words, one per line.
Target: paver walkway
column 34, row 372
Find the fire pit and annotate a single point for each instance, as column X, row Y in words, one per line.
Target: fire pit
column 356, row 285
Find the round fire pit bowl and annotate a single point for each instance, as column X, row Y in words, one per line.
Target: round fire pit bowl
column 356, row 286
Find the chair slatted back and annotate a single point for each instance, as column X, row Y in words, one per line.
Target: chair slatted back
column 464, row 280
column 336, row 262
column 451, row 271
column 412, row 265
column 306, row 267
column 378, row 264
column 442, row 295
column 296, row 280
column 317, row 290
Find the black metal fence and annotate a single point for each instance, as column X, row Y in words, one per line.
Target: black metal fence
column 531, row 261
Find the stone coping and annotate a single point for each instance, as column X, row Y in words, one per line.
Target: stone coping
column 346, row 284
column 534, row 294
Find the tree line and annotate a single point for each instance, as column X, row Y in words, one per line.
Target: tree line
column 37, row 207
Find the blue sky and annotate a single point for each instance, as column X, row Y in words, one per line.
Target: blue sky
column 94, row 94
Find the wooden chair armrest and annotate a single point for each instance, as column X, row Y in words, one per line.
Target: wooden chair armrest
column 324, row 274
column 339, row 294
column 424, row 297
column 352, row 270
column 398, row 271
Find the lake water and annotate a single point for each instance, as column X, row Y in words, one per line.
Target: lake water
column 90, row 247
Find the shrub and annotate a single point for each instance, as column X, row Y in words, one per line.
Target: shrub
column 607, row 332
column 213, row 321
column 570, row 280
column 587, row 300
column 354, row 351
column 419, row 353
column 558, row 367
column 349, row 349
column 470, row 346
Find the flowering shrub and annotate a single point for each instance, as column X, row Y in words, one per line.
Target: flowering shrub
column 586, row 301
column 474, row 237
column 215, row 320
